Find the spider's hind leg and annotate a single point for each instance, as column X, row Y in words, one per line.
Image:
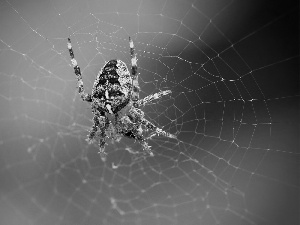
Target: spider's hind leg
column 134, row 74
column 84, row 96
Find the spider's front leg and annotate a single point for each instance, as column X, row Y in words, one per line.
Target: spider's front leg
column 134, row 130
column 139, row 117
column 137, row 134
column 150, row 98
column 156, row 130
column 84, row 96
column 144, row 143
column 101, row 123
column 93, row 131
column 102, row 141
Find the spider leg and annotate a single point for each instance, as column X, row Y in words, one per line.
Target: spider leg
column 84, row 96
column 132, row 130
column 157, row 130
column 134, row 74
column 138, row 136
column 94, row 129
column 103, row 136
column 138, row 117
column 102, row 143
column 101, row 123
column 150, row 98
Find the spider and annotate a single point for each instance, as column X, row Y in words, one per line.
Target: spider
column 116, row 105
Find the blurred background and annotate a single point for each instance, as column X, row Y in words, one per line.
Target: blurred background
column 233, row 69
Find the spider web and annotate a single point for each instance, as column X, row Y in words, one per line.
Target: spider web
column 232, row 67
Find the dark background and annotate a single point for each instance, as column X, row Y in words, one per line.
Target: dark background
column 233, row 69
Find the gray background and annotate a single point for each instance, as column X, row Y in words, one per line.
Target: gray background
column 233, row 70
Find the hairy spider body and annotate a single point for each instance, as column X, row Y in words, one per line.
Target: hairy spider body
column 115, row 103
column 112, row 88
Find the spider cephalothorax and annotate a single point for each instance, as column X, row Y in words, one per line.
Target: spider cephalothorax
column 115, row 103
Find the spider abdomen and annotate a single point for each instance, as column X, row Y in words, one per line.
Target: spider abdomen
column 112, row 88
